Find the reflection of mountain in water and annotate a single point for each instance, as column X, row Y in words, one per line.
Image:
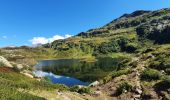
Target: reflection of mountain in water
column 60, row 79
column 84, row 71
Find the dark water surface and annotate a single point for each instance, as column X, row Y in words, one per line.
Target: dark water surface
column 71, row 71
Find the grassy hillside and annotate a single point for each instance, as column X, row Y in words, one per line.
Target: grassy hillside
column 15, row 86
column 129, row 33
column 142, row 38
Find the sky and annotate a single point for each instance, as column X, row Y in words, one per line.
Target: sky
column 30, row 22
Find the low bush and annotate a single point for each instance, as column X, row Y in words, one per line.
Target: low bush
column 80, row 90
column 163, row 85
column 131, row 47
column 157, row 65
column 121, row 72
column 150, row 74
column 124, row 63
column 133, row 64
column 167, row 71
column 116, row 74
column 125, row 86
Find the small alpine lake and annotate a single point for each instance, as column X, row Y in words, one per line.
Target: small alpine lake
column 74, row 71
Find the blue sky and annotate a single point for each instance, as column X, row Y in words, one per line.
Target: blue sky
column 25, row 20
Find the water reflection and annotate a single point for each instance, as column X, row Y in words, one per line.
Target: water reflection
column 60, row 79
column 84, row 71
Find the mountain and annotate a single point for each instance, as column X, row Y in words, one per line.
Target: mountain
column 142, row 39
column 129, row 33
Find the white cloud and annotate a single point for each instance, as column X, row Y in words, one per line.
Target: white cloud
column 44, row 40
column 4, row 37
column 39, row 40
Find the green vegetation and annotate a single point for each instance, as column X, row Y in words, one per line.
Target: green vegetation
column 11, row 82
column 124, row 86
column 163, row 85
column 150, row 74
column 115, row 74
column 139, row 40
column 80, row 90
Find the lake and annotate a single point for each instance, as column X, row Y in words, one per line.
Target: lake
column 74, row 71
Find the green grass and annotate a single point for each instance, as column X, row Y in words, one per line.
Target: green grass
column 11, row 82
column 115, row 74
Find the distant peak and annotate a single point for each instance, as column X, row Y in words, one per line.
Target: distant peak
column 136, row 13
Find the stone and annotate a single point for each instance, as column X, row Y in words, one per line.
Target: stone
column 5, row 62
column 162, row 71
column 136, row 96
column 99, row 88
column 168, row 90
column 20, row 66
column 27, row 74
column 138, row 91
column 94, row 83
column 97, row 93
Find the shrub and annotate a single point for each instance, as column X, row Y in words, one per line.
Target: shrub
column 48, row 79
column 16, row 69
column 84, row 90
column 80, row 90
column 2, row 64
column 133, row 64
column 116, row 74
column 167, row 71
column 125, row 86
column 157, row 65
column 131, row 47
column 160, row 65
column 123, row 63
column 150, row 74
column 61, row 87
column 163, row 85
column 121, row 72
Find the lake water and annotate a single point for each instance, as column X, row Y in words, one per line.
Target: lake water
column 75, row 72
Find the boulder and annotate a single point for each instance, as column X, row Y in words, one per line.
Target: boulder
column 5, row 62
column 28, row 75
column 138, row 91
column 20, row 66
column 94, row 83
column 97, row 93
column 136, row 96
